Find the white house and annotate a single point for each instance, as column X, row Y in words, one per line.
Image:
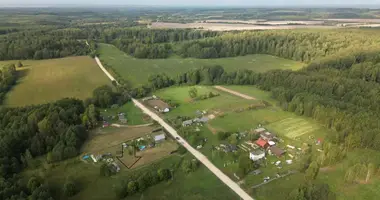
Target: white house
column 256, row 155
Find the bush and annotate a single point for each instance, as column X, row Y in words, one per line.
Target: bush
column 33, row 184
column 181, row 150
column 105, row 170
column 69, row 188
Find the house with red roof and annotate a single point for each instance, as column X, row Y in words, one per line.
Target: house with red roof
column 262, row 143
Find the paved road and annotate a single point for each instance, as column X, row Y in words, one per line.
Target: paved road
column 203, row 159
column 225, row 179
column 244, row 96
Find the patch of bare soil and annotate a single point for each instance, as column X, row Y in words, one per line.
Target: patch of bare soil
column 212, row 129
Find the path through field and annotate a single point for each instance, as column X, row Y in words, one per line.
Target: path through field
column 244, row 96
column 203, row 159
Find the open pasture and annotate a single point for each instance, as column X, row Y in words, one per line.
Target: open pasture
column 225, row 102
column 43, row 81
column 137, row 71
column 101, row 140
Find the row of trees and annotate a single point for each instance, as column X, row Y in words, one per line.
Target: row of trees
column 297, row 45
column 141, row 183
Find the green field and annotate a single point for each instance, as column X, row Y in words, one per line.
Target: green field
column 137, row 71
column 223, row 103
column 44, row 81
column 134, row 115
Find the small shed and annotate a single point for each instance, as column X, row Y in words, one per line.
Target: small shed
column 105, row 124
column 159, row 138
column 259, row 130
column 268, row 136
column 256, row 172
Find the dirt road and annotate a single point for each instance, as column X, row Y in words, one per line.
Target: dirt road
column 225, row 179
column 244, row 96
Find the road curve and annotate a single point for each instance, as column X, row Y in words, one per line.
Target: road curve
column 225, row 179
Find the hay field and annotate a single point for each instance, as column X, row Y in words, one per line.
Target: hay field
column 43, row 81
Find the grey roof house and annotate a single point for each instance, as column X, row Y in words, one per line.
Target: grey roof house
column 159, row 138
column 187, row 122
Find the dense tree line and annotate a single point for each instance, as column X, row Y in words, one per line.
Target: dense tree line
column 298, row 45
column 42, row 44
column 8, row 77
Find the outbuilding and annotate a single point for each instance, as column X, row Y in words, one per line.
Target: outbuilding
column 276, row 151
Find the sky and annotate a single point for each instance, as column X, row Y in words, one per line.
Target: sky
column 341, row 3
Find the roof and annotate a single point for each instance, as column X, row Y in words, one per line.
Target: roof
column 271, row 143
column 257, row 171
column 257, row 152
column 268, row 135
column 159, row 137
column 259, row 130
column 187, row 122
column 121, row 117
column 277, row 151
column 262, row 143
column 202, row 119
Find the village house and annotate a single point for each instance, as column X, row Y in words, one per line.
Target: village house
column 187, row 123
column 276, row 151
column 201, row 120
column 262, row 143
column 159, row 138
column 256, row 155
column 267, row 136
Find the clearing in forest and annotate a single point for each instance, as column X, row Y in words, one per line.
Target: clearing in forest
column 43, row 81
column 137, row 71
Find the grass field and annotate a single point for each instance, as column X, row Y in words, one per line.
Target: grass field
column 100, row 140
column 219, row 104
column 44, row 81
column 134, row 115
column 137, row 71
